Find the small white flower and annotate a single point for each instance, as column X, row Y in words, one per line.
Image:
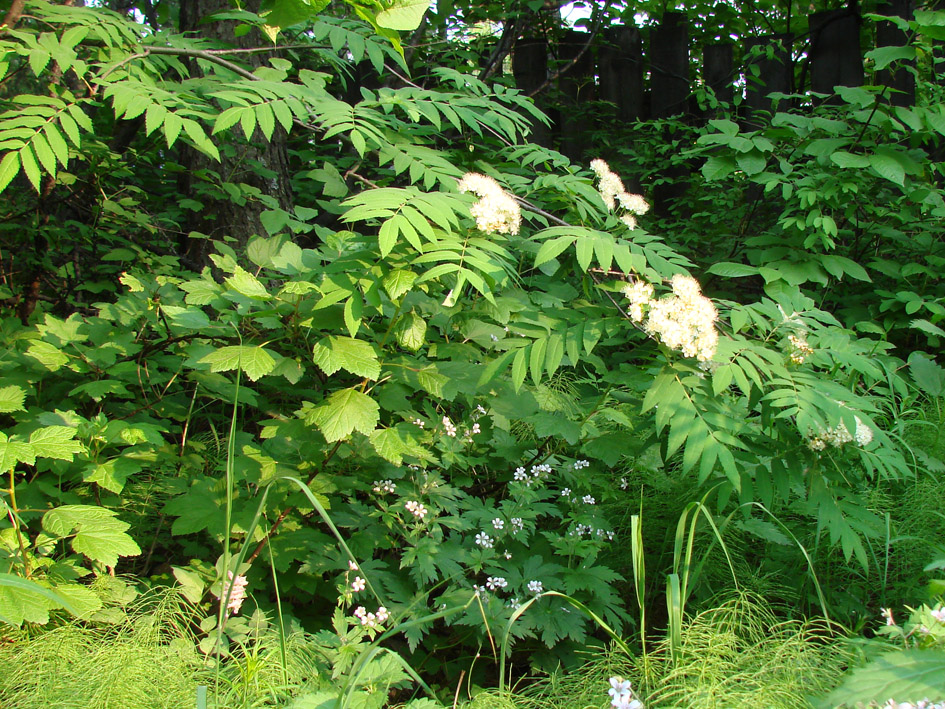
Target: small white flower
column 358, row 584
column 581, row 464
column 517, row 524
column 384, row 486
column 418, row 422
column 507, row 555
column 493, row 338
column 498, row 523
column 566, row 492
column 887, row 614
column 535, row 587
column 624, row 484
column 520, row 474
column 419, row 511
column 475, row 429
column 589, row 500
column 484, row 540
column 939, row 614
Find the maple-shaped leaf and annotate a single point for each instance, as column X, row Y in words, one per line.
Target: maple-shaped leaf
column 98, row 534
column 13, row 452
column 55, row 442
column 245, row 283
column 343, row 412
column 348, row 353
column 256, row 362
column 22, row 599
column 11, row 399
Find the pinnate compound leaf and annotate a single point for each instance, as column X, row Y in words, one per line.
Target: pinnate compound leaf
column 9, row 168
column 903, row 675
column 348, row 353
column 255, row 362
column 928, row 376
column 11, row 399
column 343, row 412
column 55, row 442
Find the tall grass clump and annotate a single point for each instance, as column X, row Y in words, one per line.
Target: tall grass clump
column 740, row 654
column 147, row 659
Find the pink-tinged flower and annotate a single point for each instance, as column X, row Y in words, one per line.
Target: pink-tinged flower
column 235, row 589
column 887, row 614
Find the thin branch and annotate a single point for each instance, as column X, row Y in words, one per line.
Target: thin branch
column 501, row 50
column 595, row 28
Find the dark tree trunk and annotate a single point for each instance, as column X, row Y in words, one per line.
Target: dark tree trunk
column 835, row 57
column 259, row 163
column 717, row 70
column 620, row 67
column 577, row 88
column 900, row 80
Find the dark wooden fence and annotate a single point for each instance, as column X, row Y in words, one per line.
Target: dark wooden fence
column 647, row 74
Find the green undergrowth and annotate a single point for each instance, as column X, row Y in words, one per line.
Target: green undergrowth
column 150, row 658
column 738, row 654
column 146, row 659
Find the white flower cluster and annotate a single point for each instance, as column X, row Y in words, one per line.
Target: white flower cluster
column 496, row 212
column 384, row 486
column 496, row 583
column 581, row 464
column 235, row 587
column 418, row 510
column 840, row 435
column 535, row 587
column 582, row 529
column 621, row 694
column 371, row 620
column 800, row 350
column 589, row 500
column 517, row 524
column 520, row 474
column 684, row 321
column 449, row 426
column 613, row 193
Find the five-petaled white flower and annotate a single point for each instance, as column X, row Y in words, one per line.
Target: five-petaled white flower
column 484, row 540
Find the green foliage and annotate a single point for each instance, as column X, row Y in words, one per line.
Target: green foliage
column 372, row 392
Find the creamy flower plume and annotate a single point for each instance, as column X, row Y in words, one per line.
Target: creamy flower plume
column 840, row 435
column 496, row 212
column 684, row 321
column 613, row 192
